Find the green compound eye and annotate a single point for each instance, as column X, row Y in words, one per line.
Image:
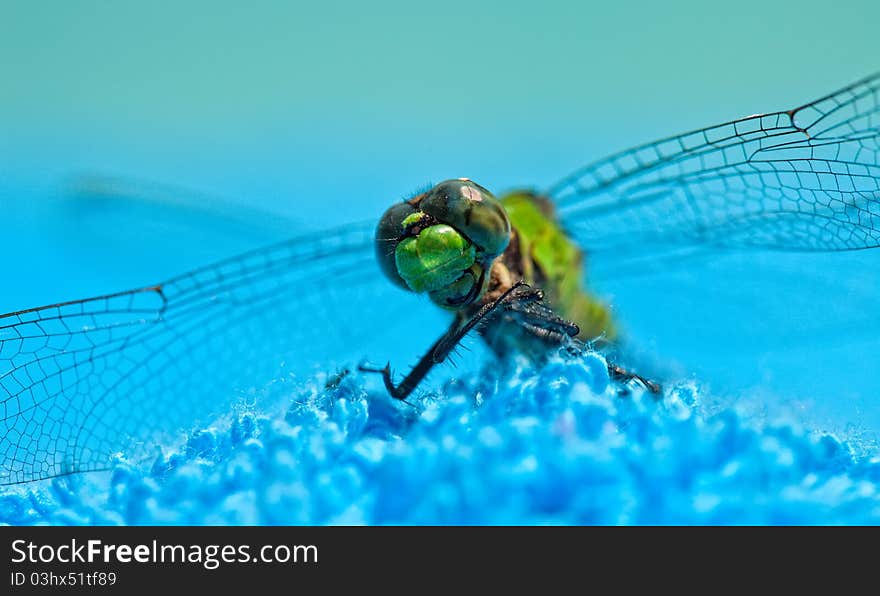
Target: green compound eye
column 473, row 211
column 444, row 242
column 434, row 259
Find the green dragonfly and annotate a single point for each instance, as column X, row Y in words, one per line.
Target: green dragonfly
column 82, row 381
column 504, row 267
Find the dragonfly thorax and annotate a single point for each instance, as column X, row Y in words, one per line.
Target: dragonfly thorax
column 443, row 242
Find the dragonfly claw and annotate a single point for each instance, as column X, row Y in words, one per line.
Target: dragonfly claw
column 365, row 366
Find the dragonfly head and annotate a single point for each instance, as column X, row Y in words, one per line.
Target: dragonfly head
column 443, row 242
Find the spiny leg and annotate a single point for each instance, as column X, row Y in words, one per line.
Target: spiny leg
column 443, row 346
column 618, row 373
column 518, row 293
column 541, row 321
column 415, row 376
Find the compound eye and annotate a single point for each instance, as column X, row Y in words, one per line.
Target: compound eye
column 388, row 234
column 434, row 258
column 473, row 211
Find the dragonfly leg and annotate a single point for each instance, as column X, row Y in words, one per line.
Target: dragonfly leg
column 618, row 373
column 415, row 376
column 447, row 342
column 541, row 321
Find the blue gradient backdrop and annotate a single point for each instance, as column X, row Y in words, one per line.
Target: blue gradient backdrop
column 301, row 117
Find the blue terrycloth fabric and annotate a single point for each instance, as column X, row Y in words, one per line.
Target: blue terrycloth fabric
column 556, row 445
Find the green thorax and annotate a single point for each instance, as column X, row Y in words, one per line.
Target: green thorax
column 553, row 262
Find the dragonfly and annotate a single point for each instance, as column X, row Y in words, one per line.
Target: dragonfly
column 85, row 380
column 481, row 257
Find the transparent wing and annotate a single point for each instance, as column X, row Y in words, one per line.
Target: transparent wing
column 98, row 234
column 658, row 221
column 81, row 380
column 88, row 195
column 801, row 179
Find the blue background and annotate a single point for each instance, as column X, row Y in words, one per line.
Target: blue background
column 272, row 118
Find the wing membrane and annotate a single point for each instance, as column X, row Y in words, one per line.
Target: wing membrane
column 80, row 380
column 802, row 179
